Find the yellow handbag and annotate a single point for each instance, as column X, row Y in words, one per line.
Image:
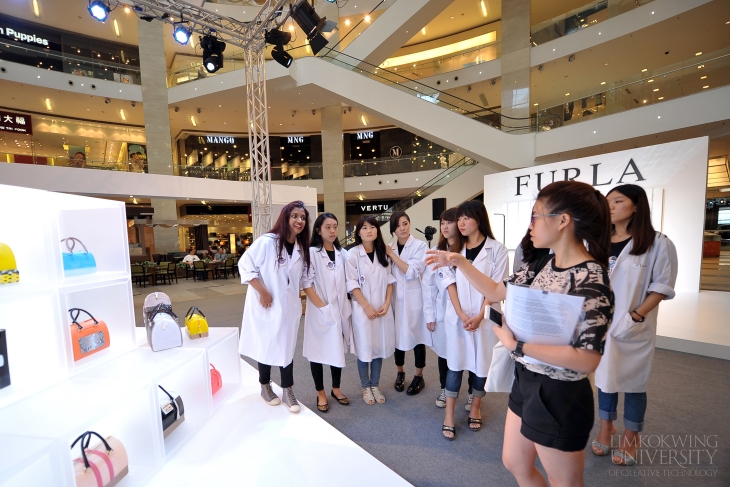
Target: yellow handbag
column 8, row 268
column 195, row 323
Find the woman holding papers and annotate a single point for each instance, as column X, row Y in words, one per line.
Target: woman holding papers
column 370, row 280
column 551, row 404
column 469, row 340
column 327, row 330
column 643, row 269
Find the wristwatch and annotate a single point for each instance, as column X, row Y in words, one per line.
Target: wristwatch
column 517, row 353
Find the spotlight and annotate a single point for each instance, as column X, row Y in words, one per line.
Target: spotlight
column 181, row 33
column 107, row 101
column 278, row 38
column 212, row 53
column 318, row 30
column 571, row 58
column 99, row 10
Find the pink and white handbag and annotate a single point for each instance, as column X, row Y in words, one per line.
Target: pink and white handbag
column 102, row 465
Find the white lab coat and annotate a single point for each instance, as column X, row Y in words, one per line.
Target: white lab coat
column 410, row 323
column 467, row 350
column 269, row 335
column 629, row 349
column 327, row 331
column 373, row 338
column 435, row 299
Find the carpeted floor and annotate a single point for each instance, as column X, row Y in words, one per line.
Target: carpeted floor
column 688, row 401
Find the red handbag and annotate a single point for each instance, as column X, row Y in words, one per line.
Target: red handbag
column 216, row 382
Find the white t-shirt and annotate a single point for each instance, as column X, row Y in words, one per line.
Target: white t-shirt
column 189, row 259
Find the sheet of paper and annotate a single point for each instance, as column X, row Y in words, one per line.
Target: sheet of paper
column 541, row 317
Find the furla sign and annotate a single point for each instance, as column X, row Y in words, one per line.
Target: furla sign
column 592, row 176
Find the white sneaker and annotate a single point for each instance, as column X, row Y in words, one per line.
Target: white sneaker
column 469, row 399
column 290, row 401
column 268, row 395
column 441, row 400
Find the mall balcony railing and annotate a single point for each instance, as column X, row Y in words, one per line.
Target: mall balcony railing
column 68, row 63
column 444, row 177
column 703, row 72
column 581, row 18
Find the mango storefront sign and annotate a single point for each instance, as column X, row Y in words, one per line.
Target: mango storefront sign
column 674, row 176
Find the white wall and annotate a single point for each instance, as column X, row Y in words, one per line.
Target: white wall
column 677, row 168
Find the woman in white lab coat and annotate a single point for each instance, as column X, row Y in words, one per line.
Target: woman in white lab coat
column 370, row 280
column 327, row 329
column 274, row 267
column 469, row 339
column 407, row 254
column 643, row 270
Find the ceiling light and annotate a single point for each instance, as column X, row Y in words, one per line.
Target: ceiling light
column 698, row 53
column 127, row 10
column 484, row 8
column 116, row 28
column 122, row 114
column 362, row 119
column 192, row 121
column 534, row 105
column 318, row 30
column 347, row 22
column 567, row 94
column 423, row 31
column 656, row 89
column 367, row 18
column 212, row 53
column 291, row 28
column 48, row 105
column 643, row 70
column 603, row 82
column 36, row 10
column 660, row 98
column 644, row 101
column 650, row 81
column 706, row 86
column 360, row 197
column 441, row 51
column 99, row 10
column 181, row 34
column 703, row 77
column 278, row 38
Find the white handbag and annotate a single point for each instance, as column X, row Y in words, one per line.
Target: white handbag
column 163, row 330
column 501, row 371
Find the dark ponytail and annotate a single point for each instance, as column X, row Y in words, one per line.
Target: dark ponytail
column 589, row 210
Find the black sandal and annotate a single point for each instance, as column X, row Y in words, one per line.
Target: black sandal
column 342, row 400
column 449, row 429
column 471, row 421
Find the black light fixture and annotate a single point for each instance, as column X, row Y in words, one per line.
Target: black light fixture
column 318, row 30
column 212, row 53
column 278, row 38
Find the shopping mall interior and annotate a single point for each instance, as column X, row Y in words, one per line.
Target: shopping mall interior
column 142, row 130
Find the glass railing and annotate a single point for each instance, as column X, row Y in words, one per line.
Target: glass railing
column 350, row 28
column 490, row 116
column 460, row 166
column 99, row 164
column 700, row 73
column 68, row 63
column 452, row 62
column 581, row 18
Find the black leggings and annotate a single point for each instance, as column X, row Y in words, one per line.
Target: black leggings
column 318, row 376
column 443, row 370
column 419, row 351
column 287, row 374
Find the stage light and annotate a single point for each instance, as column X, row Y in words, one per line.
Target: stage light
column 278, row 38
column 181, row 33
column 99, row 10
column 212, row 53
column 318, row 30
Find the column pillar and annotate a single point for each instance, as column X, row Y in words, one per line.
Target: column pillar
column 157, row 126
column 332, row 164
column 515, row 64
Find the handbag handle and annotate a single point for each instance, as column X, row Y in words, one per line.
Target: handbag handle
column 193, row 310
column 172, row 400
column 75, row 317
column 161, row 308
column 71, row 244
column 85, row 441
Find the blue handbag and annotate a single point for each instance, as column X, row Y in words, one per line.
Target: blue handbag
column 77, row 263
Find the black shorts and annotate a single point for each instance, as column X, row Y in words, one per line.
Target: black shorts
column 555, row 413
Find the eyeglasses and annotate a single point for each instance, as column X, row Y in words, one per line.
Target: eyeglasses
column 534, row 216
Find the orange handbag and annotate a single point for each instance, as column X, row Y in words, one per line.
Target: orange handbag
column 216, row 381
column 87, row 337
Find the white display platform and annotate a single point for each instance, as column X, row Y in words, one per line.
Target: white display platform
column 250, row 443
column 696, row 323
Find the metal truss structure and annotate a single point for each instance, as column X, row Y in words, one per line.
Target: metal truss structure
column 251, row 37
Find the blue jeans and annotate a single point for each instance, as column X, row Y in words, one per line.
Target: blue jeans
column 634, row 408
column 374, row 378
column 453, row 384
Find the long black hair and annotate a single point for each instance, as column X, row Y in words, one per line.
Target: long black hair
column 378, row 244
column 282, row 230
column 589, row 210
column 476, row 210
column 640, row 227
column 316, row 240
column 451, row 215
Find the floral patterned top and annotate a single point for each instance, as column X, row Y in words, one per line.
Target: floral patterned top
column 588, row 279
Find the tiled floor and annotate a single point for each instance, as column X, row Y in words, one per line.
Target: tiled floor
column 716, row 272
column 189, row 290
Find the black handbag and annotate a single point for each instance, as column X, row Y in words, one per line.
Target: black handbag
column 4, row 367
column 173, row 412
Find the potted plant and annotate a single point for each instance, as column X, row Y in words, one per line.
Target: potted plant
column 181, row 269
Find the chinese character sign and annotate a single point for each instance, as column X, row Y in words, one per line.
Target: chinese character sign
column 16, row 123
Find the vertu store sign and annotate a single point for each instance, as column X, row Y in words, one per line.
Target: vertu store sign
column 17, row 123
column 20, row 36
column 674, row 176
